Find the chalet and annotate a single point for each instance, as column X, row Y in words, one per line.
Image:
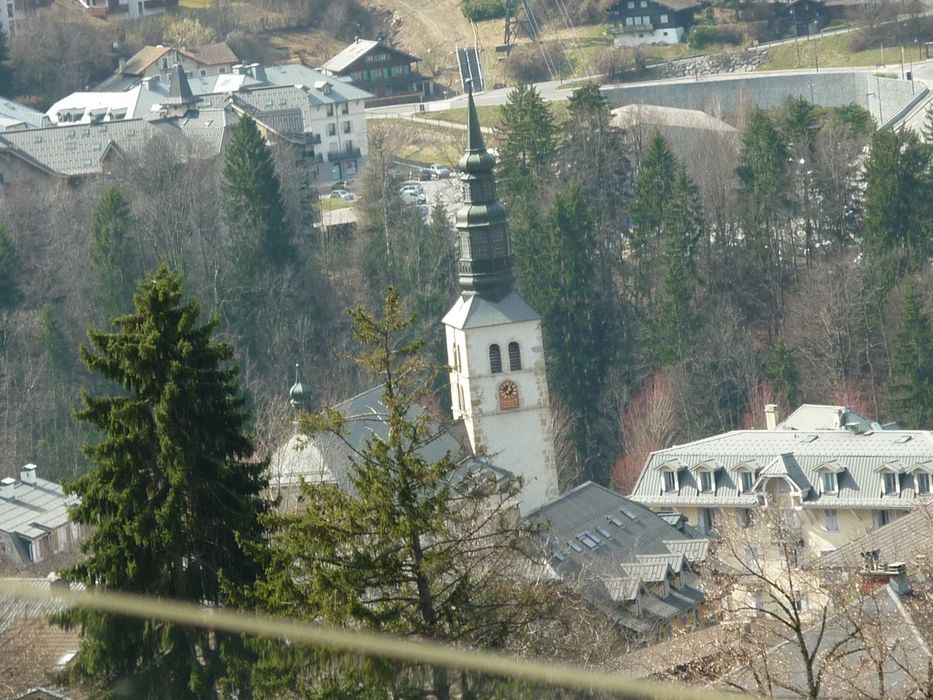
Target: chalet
column 389, row 74
column 651, row 21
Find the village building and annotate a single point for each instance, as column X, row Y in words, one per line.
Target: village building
column 389, row 74
column 638, row 22
column 125, row 9
column 34, row 522
column 634, row 565
column 832, row 474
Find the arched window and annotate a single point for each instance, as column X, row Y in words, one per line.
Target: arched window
column 515, row 357
column 495, row 359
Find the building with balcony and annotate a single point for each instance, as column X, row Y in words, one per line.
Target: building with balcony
column 651, row 21
column 389, row 74
column 826, row 475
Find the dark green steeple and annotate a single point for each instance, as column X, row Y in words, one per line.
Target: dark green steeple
column 485, row 259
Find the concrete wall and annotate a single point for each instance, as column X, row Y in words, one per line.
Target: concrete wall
column 731, row 94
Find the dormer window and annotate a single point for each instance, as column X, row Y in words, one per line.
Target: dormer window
column 670, row 481
column 707, row 482
column 921, row 483
column 828, row 483
column 746, row 482
column 889, row 484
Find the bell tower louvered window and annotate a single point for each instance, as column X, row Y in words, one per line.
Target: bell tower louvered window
column 495, row 359
column 515, row 357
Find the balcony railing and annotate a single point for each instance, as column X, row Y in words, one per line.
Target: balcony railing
column 343, row 154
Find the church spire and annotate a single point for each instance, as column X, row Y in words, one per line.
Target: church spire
column 485, row 260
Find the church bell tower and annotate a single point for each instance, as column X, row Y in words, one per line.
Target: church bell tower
column 498, row 378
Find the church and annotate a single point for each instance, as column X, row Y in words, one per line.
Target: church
column 495, row 351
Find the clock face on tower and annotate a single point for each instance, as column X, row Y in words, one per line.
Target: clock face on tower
column 508, row 395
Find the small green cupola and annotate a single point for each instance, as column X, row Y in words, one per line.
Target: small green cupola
column 299, row 396
column 484, row 263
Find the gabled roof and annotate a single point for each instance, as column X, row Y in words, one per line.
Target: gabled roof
column 35, row 509
column 217, row 54
column 14, row 115
column 207, row 55
column 357, row 50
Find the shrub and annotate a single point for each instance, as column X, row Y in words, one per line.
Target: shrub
column 477, row 10
column 702, row 36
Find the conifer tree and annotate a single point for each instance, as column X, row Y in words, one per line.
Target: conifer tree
column 9, row 271
column 652, row 193
column 254, row 211
column 111, row 250
column 409, row 549
column 557, row 275
column 673, row 321
column 173, row 495
column 897, row 210
column 6, row 72
column 928, row 126
column 529, row 142
column 911, row 388
column 762, row 170
column 781, row 370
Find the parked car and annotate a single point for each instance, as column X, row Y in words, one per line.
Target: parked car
column 342, row 194
column 412, row 185
column 340, row 185
column 410, row 198
column 425, row 174
column 438, row 171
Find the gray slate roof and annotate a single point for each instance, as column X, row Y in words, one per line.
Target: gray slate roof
column 326, row 459
column 800, row 455
column 13, row 608
column 35, row 509
column 852, row 674
column 474, row 311
column 820, row 417
column 81, row 149
column 16, row 116
column 907, row 539
column 634, row 548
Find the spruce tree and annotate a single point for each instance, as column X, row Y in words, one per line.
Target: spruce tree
column 927, row 130
column 557, row 274
column 653, row 187
column 173, row 495
column 762, row 171
column 254, row 209
column 911, row 388
column 412, row 548
column 9, row 271
column 898, row 209
column 112, row 250
column 529, row 142
column 6, row 72
column 781, row 370
column 673, row 319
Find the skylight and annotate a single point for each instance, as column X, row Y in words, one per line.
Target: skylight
column 589, row 540
column 615, row 521
column 604, row 532
column 902, row 439
column 629, row 514
column 575, row 547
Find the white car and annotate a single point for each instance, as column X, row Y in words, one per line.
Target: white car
column 342, row 194
column 410, row 198
column 439, row 171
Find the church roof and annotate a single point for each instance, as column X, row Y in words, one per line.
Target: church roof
column 475, row 311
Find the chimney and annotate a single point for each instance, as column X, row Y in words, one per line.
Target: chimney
column 28, row 474
column 6, row 488
column 876, row 573
column 771, row 416
column 147, row 83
